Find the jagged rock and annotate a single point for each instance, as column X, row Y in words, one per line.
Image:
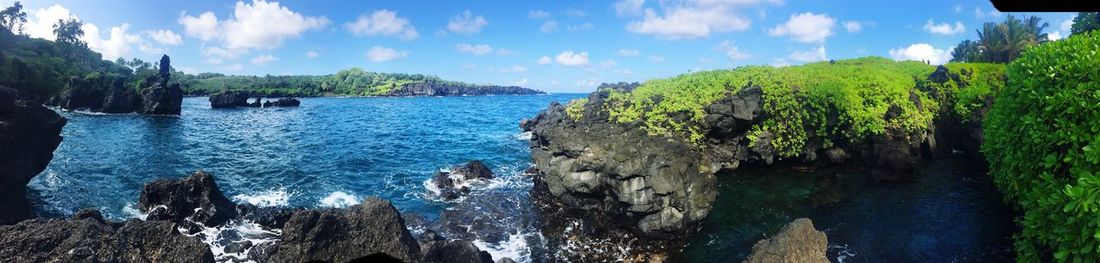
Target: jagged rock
column 196, row 197
column 161, row 100
column 798, row 241
column 81, row 94
column 229, row 99
column 89, row 213
column 51, row 240
column 29, row 133
column 341, row 235
column 941, row 75
column 451, row 184
column 120, row 99
column 283, row 102
column 454, row 251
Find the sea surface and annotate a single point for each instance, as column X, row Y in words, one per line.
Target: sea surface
column 333, row 152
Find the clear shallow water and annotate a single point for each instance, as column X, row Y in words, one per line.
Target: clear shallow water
column 949, row 212
column 328, row 152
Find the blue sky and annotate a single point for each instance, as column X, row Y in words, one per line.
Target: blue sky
column 557, row 46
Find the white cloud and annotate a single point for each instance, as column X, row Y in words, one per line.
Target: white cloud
column 263, row 59
column 609, row 63
column 806, row 27
column 474, row 49
column 1056, row 35
column 165, row 37
column 688, row 22
column 151, row 50
column 944, row 28
column 466, row 23
column 731, row 51
column 232, row 68
column 544, row 60
column 312, row 54
column 505, row 52
column 219, row 53
column 116, row 45
column 588, row 83
column 921, row 52
column 1067, row 25
column 548, row 26
column 258, row 25
column 571, row 59
column 817, row 54
column 656, row 59
column 383, row 54
column 629, row 7
column 204, row 27
column 512, row 69
column 579, row 27
column 40, row 22
column 382, row 23
column 853, row 26
column 624, row 52
column 538, row 14
column 521, row 82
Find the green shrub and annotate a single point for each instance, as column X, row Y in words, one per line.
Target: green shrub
column 575, row 109
column 796, row 99
column 1042, row 140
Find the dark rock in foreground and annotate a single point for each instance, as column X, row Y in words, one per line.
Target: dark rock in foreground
column 196, row 197
column 798, row 241
column 29, row 133
column 342, row 235
column 454, row 251
column 91, row 240
column 451, row 184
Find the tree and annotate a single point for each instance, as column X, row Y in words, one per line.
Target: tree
column 1003, row 42
column 967, row 51
column 13, row 18
column 1085, row 22
column 69, row 32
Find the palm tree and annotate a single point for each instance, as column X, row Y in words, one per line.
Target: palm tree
column 1003, row 42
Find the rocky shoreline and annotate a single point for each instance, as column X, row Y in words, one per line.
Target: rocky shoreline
column 620, row 180
column 109, row 94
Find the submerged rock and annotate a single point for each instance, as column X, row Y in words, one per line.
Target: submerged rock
column 341, row 235
column 798, row 241
column 90, row 240
column 29, row 133
column 195, row 197
column 452, row 185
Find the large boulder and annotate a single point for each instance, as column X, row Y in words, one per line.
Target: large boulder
column 89, row 239
column 341, row 235
column 81, row 94
column 456, row 251
column 29, row 133
column 120, row 99
column 229, row 99
column 195, row 197
column 798, row 241
column 283, row 102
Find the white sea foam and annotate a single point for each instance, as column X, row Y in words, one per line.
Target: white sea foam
column 275, row 197
column 339, row 199
column 515, row 247
column 245, row 231
column 525, row 136
column 843, row 252
column 130, row 211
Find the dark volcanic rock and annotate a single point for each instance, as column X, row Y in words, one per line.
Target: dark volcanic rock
column 29, row 133
column 196, row 197
column 617, row 170
column 454, row 251
column 42, row 240
column 796, row 242
column 341, row 235
column 229, row 99
column 283, row 102
column 120, row 99
column 451, row 184
column 81, row 94
column 161, row 100
column 431, row 88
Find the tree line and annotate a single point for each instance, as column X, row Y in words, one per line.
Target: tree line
column 1002, row 42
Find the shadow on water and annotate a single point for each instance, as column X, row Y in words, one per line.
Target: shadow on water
column 949, row 212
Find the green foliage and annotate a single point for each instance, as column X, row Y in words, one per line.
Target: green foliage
column 41, row 68
column 69, row 32
column 13, row 18
column 352, row 82
column 1002, row 42
column 1085, row 22
column 796, row 101
column 1042, row 140
column 967, row 51
column 575, row 109
column 977, row 82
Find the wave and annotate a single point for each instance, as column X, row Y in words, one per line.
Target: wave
column 129, row 211
column 525, row 136
column 233, row 241
column 276, row 197
column 516, row 247
column 339, row 199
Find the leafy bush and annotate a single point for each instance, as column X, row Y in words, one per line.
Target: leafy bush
column 1042, row 140
column 575, row 109
column 796, row 100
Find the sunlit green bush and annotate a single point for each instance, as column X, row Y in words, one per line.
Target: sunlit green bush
column 1042, row 140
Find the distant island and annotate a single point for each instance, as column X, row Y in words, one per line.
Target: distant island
column 348, row 82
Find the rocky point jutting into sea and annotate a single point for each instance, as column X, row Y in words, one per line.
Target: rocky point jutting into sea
column 109, row 94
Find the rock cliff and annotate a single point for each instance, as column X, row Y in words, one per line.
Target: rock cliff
column 29, row 133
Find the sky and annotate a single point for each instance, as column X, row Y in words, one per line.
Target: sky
column 556, row 46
